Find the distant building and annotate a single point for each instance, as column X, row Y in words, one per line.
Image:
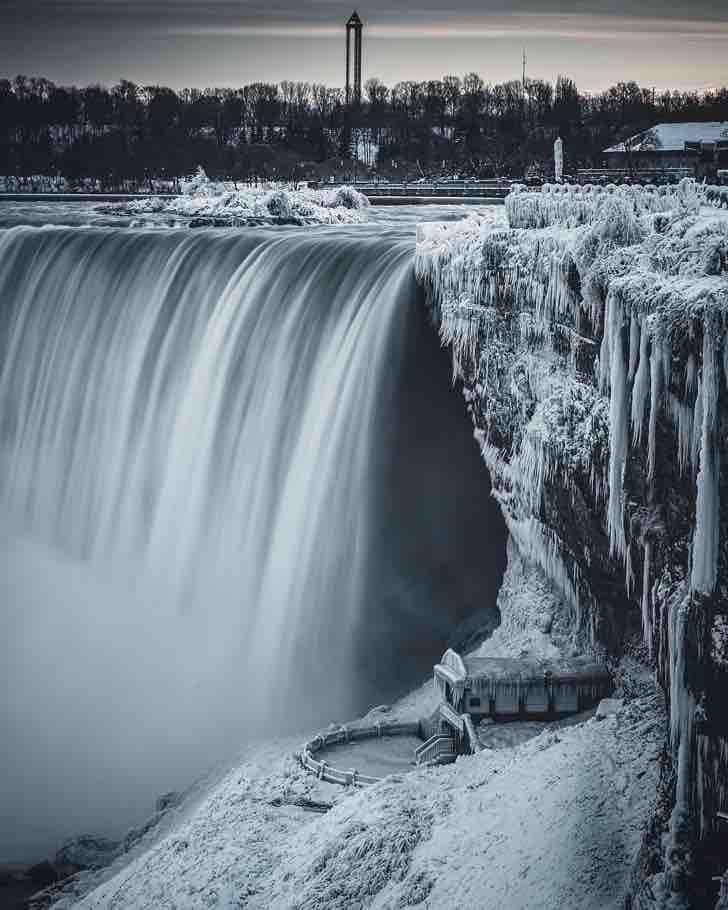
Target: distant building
column 703, row 147
column 353, row 78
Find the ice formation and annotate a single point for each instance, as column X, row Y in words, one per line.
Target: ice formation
column 615, row 297
column 573, row 205
column 203, row 198
column 707, row 518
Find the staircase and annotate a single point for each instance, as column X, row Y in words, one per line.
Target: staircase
column 439, row 749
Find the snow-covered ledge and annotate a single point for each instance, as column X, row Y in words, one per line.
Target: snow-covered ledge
column 591, row 344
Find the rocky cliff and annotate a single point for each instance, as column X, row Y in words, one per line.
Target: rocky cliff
column 590, row 339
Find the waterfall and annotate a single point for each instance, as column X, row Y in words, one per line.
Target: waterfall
column 192, row 476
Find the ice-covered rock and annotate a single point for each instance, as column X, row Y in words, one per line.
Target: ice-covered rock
column 591, row 340
column 207, row 201
column 168, row 801
column 87, row 851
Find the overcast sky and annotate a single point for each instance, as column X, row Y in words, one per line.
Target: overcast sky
column 676, row 43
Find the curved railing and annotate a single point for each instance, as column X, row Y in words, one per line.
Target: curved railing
column 351, row 777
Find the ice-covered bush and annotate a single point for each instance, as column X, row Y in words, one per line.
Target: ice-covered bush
column 349, row 198
column 716, row 196
column 199, row 184
column 278, row 204
column 572, row 205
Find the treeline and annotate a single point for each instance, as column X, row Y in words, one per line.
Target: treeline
column 297, row 129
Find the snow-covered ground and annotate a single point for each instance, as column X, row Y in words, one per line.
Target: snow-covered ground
column 220, row 202
column 553, row 823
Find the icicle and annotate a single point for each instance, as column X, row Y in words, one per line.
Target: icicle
column 682, row 712
column 605, row 352
column 707, row 509
column 628, row 572
column 666, row 361
column 682, row 417
column 460, row 328
column 647, row 628
column 691, row 374
column 641, row 387
column 541, row 545
column 634, row 343
column 697, row 428
column 618, row 429
column 656, row 375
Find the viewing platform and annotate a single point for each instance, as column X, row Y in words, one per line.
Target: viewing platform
column 479, row 694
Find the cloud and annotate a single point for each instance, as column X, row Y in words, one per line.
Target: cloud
column 581, row 26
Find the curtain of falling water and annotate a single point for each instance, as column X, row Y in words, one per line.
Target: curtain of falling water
column 188, row 425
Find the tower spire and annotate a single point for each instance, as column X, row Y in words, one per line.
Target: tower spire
column 353, row 79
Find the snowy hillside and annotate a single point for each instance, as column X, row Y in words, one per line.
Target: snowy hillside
column 555, row 822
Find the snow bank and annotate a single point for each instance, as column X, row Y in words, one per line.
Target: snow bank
column 204, row 199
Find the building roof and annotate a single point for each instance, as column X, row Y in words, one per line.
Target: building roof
column 354, row 19
column 509, row 668
column 462, row 670
column 671, row 137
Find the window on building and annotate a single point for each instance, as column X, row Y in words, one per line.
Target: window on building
column 474, row 701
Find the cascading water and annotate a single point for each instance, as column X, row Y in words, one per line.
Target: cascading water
column 207, row 466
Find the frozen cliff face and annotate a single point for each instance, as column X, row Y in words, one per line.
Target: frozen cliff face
column 591, row 344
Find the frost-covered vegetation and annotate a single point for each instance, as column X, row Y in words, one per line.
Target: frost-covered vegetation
column 45, row 183
column 591, row 338
column 203, row 198
column 572, row 205
column 717, row 196
column 38, row 183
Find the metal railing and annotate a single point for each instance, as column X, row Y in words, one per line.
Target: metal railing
column 456, row 188
column 344, row 734
column 438, row 749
